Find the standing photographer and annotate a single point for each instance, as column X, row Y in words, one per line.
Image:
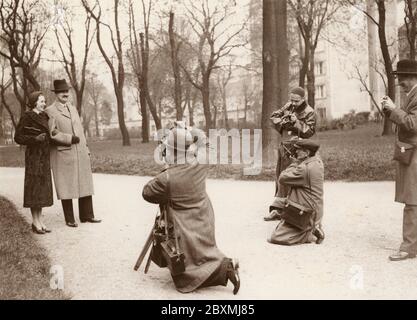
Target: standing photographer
column 293, row 121
column 182, row 189
column 406, row 177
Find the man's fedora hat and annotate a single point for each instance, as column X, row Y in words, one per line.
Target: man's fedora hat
column 406, row 67
column 60, row 85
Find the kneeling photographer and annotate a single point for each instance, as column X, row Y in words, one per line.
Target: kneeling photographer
column 181, row 190
column 302, row 210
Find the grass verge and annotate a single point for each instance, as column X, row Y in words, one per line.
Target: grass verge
column 24, row 265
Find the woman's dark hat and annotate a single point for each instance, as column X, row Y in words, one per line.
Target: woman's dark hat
column 406, row 67
column 33, row 98
column 60, row 85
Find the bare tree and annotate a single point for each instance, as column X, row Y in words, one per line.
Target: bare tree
column 223, row 77
column 96, row 92
column 5, row 84
column 175, row 46
column 311, row 16
column 65, row 38
column 410, row 21
column 23, row 28
column 118, row 76
column 135, row 58
column 380, row 22
column 212, row 45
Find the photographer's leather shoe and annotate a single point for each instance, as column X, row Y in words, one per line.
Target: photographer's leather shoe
column 91, row 220
column 319, row 233
column 401, row 255
column 233, row 275
column 274, row 215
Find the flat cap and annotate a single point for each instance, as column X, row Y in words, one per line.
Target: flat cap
column 307, row 144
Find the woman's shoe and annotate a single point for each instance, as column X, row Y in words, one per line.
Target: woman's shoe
column 36, row 230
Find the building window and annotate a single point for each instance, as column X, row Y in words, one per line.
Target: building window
column 321, row 91
column 319, row 68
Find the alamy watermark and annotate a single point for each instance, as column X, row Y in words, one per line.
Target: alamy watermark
column 243, row 147
column 57, row 277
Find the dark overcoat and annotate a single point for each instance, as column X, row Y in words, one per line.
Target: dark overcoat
column 38, row 181
column 190, row 208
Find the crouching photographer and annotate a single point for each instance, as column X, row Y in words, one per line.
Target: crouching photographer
column 181, row 190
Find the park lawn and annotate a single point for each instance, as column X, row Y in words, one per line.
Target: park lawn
column 353, row 155
column 24, row 265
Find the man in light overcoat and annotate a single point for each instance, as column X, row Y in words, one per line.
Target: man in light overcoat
column 70, row 158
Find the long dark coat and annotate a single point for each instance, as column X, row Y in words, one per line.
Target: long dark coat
column 191, row 209
column 38, row 181
column 406, row 178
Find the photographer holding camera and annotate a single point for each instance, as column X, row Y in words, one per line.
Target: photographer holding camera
column 405, row 118
column 181, row 188
column 294, row 121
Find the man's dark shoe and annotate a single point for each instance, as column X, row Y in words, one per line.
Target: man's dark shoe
column 91, row 220
column 274, row 215
column 233, row 275
column 401, row 255
column 319, row 233
column 72, row 224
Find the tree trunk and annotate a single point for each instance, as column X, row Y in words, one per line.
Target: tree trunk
column 270, row 79
column 305, row 61
column 387, row 62
column 78, row 99
column 96, row 120
column 206, row 103
column 225, row 115
column 145, row 117
column 145, row 88
column 283, row 53
column 311, row 81
column 121, row 118
column 175, row 68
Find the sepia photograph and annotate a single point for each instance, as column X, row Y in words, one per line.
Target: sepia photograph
column 192, row 151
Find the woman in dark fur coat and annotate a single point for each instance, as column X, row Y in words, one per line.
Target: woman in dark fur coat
column 33, row 132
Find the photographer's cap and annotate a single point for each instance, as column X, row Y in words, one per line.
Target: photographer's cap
column 308, row 144
column 299, row 91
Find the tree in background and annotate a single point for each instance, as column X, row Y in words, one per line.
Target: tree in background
column 213, row 44
column 410, row 21
column 23, row 25
column 118, row 76
column 312, row 17
column 64, row 34
column 380, row 22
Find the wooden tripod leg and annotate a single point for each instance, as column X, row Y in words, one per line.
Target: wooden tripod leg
column 148, row 262
column 145, row 249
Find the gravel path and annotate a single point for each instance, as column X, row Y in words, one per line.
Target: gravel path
column 362, row 224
